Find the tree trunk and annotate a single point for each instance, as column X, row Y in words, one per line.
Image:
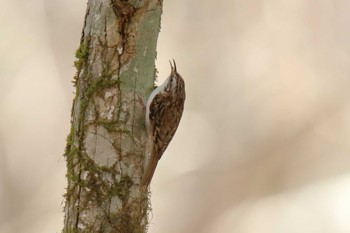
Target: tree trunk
column 104, row 152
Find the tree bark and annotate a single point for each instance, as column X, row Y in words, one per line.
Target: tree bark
column 105, row 148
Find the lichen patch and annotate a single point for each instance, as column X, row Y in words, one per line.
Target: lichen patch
column 99, row 147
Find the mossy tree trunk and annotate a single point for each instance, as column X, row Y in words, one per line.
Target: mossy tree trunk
column 115, row 63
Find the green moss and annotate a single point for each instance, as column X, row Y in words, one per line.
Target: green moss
column 95, row 86
column 122, row 188
column 69, row 141
column 110, row 126
column 71, row 174
column 81, row 54
column 69, row 153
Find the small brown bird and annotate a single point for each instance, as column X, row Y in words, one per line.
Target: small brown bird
column 163, row 113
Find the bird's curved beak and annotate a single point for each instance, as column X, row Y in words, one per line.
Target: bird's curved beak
column 173, row 68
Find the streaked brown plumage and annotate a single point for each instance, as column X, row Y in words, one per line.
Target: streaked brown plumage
column 163, row 113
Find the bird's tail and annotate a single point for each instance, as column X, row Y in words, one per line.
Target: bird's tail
column 151, row 167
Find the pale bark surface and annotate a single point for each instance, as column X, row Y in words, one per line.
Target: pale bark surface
column 105, row 159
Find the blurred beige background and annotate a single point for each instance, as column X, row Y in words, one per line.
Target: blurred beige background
column 263, row 146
